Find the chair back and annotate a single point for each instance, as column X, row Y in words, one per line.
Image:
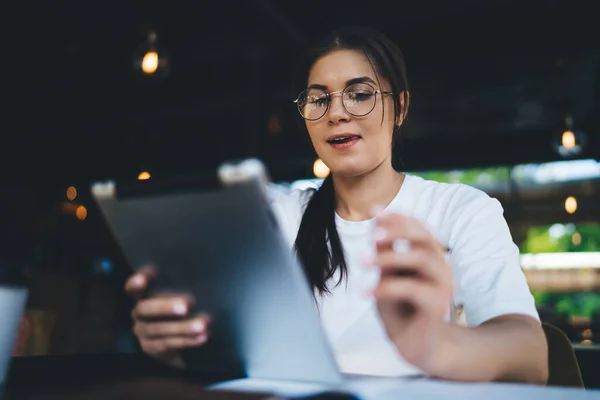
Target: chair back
column 562, row 363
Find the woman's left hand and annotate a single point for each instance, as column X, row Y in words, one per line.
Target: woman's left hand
column 414, row 294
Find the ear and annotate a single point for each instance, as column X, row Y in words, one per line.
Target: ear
column 404, row 107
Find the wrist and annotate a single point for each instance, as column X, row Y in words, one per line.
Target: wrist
column 457, row 357
column 445, row 352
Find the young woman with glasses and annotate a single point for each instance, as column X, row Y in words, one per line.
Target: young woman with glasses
column 434, row 247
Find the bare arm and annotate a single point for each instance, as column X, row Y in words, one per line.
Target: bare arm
column 506, row 348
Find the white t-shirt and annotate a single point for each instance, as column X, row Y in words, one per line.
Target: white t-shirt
column 488, row 280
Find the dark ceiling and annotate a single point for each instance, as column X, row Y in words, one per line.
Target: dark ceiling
column 491, row 83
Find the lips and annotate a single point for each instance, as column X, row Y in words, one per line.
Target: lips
column 341, row 138
column 343, row 141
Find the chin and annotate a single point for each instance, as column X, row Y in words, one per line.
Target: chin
column 352, row 167
column 349, row 170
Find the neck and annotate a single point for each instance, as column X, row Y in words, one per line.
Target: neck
column 356, row 196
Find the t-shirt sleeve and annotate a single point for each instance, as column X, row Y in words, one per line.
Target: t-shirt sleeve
column 488, row 278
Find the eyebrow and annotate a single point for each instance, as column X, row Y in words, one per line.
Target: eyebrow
column 353, row 81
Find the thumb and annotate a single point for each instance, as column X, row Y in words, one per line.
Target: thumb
column 137, row 284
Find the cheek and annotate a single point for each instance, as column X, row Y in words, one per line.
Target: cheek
column 379, row 135
column 375, row 128
column 381, row 123
column 313, row 129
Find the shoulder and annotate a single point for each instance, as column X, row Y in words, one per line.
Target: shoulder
column 288, row 205
column 292, row 200
column 452, row 211
column 456, row 197
column 488, row 278
column 446, row 206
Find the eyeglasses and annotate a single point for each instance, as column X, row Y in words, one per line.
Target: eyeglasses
column 358, row 99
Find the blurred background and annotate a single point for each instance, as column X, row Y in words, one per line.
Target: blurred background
column 505, row 97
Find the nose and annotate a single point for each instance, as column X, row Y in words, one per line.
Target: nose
column 337, row 113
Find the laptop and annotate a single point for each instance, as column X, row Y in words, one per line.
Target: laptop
column 220, row 243
column 13, row 299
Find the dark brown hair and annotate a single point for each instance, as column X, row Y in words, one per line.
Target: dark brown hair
column 318, row 244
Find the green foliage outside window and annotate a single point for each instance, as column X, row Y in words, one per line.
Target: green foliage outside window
column 574, row 238
column 478, row 177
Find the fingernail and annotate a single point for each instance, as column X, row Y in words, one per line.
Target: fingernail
column 201, row 338
column 401, row 246
column 197, row 326
column 180, row 309
column 379, row 234
column 138, row 281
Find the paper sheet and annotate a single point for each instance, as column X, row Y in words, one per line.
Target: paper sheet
column 279, row 388
column 365, row 387
column 379, row 388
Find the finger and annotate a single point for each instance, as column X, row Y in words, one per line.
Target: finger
column 394, row 226
column 398, row 245
column 161, row 307
column 187, row 328
column 137, row 284
column 402, row 245
column 172, row 343
column 391, row 227
column 419, row 294
column 419, row 262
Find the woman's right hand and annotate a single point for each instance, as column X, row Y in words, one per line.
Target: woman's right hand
column 162, row 324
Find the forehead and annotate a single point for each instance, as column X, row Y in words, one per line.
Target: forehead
column 334, row 69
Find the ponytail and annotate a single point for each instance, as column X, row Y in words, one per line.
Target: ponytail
column 318, row 244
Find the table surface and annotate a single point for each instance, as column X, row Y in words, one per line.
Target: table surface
column 137, row 377
column 144, row 388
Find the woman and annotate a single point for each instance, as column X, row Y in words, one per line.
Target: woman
column 436, row 246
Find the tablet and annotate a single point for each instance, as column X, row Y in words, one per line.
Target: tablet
column 222, row 246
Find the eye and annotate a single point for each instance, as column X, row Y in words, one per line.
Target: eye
column 360, row 95
column 317, row 100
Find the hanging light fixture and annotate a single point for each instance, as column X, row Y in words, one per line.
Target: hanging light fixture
column 571, row 204
column 144, row 176
column 571, row 142
column 150, row 58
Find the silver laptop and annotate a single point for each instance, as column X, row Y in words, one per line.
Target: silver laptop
column 223, row 246
column 13, row 298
